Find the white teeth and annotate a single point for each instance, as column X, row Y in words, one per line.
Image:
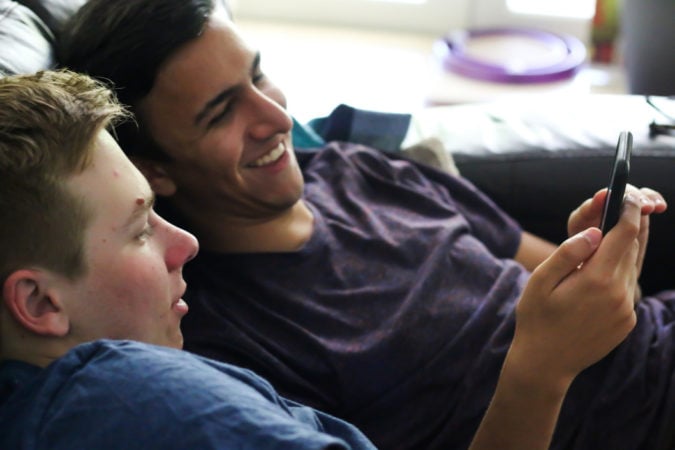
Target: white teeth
column 270, row 157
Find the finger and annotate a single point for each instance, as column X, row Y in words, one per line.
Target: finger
column 627, row 265
column 567, row 258
column 620, row 238
column 660, row 204
column 628, row 273
column 597, row 203
column 652, row 201
column 647, row 202
column 587, row 214
column 643, row 237
column 594, row 210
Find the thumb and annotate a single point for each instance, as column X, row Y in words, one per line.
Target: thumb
column 568, row 257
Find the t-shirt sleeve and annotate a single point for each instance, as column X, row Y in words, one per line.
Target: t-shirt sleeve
column 498, row 231
column 494, row 227
column 144, row 397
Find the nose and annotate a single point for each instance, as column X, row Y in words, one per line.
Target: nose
column 181, row 246
column 268, row 115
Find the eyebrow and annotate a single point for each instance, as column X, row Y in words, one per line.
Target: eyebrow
column 224, row 95
column 140, row 208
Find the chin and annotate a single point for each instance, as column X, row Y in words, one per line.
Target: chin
column 173, row 341
column 178, row 345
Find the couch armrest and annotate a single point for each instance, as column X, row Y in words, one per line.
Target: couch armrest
column 539, row 158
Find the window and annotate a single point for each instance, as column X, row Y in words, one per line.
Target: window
column 427, row 16
column 415, row 2
column 582, row 9
column 559, row 16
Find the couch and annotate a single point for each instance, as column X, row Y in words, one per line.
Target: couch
column 538, row 158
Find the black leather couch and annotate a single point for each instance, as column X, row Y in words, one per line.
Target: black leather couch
column 537, row 158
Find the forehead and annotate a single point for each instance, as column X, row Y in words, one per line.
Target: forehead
column 110, row 184
column 191, row 78
column 204, row 66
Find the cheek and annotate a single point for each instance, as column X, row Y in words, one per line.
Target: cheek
column 142, row 278
column 218, row 154
column 134, row 287
column 223, row 151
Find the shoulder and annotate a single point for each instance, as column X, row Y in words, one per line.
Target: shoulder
column 112, row 356
column 129, row 360
column 133, row 394
column 338, row 151
column 339, row 165
column 343, row 161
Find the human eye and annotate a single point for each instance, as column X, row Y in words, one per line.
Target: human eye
column 220, row 116
column 145, row 233
column 258, row 78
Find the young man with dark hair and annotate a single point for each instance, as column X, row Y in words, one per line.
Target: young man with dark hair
column 373, row 288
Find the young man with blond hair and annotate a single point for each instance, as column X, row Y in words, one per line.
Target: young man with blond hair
column 91, row 299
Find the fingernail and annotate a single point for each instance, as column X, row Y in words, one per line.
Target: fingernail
column 630, row 198
column 593, row 236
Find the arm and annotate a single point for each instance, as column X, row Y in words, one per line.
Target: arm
column 533, row 250
column 569, row 316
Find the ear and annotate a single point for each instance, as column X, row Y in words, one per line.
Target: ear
column 160, row 181
column 34, row 304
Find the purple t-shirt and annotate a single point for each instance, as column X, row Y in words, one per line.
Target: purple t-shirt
column 397, row 313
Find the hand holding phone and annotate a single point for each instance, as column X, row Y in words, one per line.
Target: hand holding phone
column 617, row 182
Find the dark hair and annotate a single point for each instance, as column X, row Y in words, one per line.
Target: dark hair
column 125, row 42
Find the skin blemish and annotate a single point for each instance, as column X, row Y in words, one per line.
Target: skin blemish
column 116, row 174
column 140, row 201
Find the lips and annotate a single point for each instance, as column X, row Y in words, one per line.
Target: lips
column 270, row 157
column 180, row 306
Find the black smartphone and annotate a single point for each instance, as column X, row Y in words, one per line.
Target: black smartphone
column 617, row 182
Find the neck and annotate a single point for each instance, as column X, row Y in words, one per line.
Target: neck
column 20, row 344
column 285, row 232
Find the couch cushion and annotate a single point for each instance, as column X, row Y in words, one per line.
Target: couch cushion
column 54, row 13
column 540, row 157
column 26, row 43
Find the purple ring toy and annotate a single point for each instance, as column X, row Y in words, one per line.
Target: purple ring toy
column 454, row 57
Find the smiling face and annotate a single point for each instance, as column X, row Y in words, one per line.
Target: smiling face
column 225, row 127
column 133, row 284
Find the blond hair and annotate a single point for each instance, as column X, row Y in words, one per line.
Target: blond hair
column 48, row 123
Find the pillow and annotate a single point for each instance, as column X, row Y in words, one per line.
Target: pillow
column 432, row 152
column 26, row 43
column 54, row 13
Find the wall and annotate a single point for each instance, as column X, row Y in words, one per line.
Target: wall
column 434, row 17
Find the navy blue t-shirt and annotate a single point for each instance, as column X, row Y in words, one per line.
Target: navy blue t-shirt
column 127, row 395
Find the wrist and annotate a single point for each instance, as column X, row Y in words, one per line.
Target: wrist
column 525, row 406
column 534, row 378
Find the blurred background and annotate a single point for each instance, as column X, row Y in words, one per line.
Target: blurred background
column 384, row 54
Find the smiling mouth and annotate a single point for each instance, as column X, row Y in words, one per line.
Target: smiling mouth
column 270, row 157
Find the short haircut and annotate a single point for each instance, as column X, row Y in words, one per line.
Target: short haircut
column 125, row 43
column 48, row 124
